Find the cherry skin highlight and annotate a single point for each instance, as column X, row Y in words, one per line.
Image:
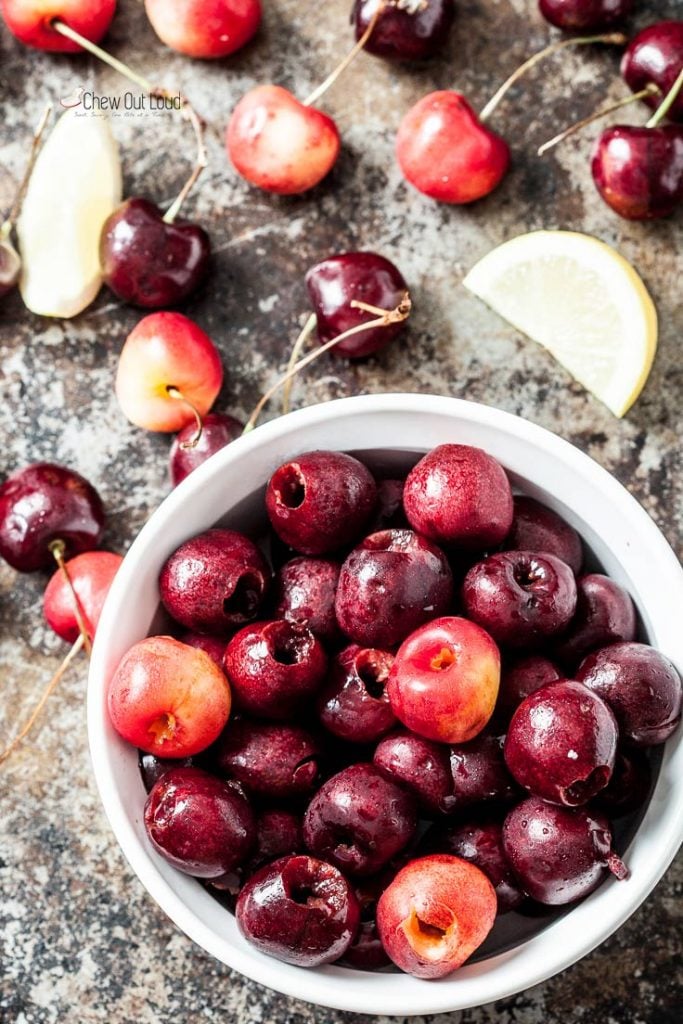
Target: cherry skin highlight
column 481, row 843
column 420, row 765
column 167, row 351
column 444, row 681
column 204, row 28
column 148, row 262
column 304, row 592
column 535, row 527
column 43, row 503
column 31, row 21
column 405, row 32
column 447, row 153
column 584, row 15
column 278, row 144
column 91, row 575
column 168, row 699
column 604, row 614
column 638, row 171
column 299, row 909
column 435, row 914
column 353, row 704
column 339, row 280
column 520, row 678
column 268, row 759
column 218, row 430
column 198, row 823
column 655, row 54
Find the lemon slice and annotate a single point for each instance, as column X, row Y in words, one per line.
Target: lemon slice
column 580, row 299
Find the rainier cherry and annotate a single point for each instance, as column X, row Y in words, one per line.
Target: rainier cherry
column 167, row 698
column 169, row 373
column 655, row 55
column 434, row 914
column 32, row 21
column 204, row 28
column 85, row 579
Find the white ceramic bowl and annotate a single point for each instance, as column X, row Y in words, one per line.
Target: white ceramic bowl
column 621, row 535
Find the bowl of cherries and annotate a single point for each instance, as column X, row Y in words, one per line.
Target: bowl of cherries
column 385, row 694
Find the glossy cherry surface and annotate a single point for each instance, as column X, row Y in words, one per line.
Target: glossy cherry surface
column 535, row 527
column 150, row 263
column 584, row 15
column 204, row 28
column 479, row 772
column 299, row 909
column 31, row 21
column 404, row 31
column 446, row 152
column 354, row 704
column 481, row 843
column 44, row 503
column 218, row 430
column 420, row 765
column 267, row 758
column 340, row 280
column 604, row 614
column 638, row 171
column 522, row 677
column 304, row 590
column 655, row 54
column 91, row 575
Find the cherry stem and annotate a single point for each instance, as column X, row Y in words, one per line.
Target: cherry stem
column 350, row 56
column 8, row 224
column 57, row 550
column 615, row 38
column 297, row 349
column 649, row 90
column 617, row 866
column 76, row 648
column 666, row 104
column 177, row 394
column 145, row 84
column 384, row 318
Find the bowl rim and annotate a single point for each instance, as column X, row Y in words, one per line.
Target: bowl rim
column 497, row 977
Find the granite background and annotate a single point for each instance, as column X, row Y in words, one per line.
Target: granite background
column 81, row 940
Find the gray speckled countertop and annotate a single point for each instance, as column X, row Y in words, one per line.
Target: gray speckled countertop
column 81, row 940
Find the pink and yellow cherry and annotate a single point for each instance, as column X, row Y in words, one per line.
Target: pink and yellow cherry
column 204, row 28
column 90, row 577
column 169, row 373
column 584, row 15
column 655, row 55
column 167, row 698
column 280, row 144
column 444, row 681
column 32, row 21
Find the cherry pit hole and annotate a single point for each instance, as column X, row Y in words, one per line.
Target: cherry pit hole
column 291, row 486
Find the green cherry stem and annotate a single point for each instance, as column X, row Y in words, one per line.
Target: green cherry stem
column 666, row 104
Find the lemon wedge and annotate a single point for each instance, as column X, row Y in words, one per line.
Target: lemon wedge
column 580, row 299
column 75, row 185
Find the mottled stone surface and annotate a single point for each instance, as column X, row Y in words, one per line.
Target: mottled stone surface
column 81, row 940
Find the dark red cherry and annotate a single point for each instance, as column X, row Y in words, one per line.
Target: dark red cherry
column 363, row 276
column 300, row 910
column 214, row 646
column 353, row 704
column 278, row 834
column 389, row 513
column 44, row 503
column 535, row 527
column 558, row 854
column 479, row 772
column 604, row 614
column 366, row 952
column 218, row 430
column 150, row 263
column 656, row 55
column 420, row 765
column 304, row 592
column 409, row 30
column 638, row 171
column 562, row 743
column 152, row 768
column 268, row 758
column 481, row 843
column 521, row 678
column 629, row 786
column 584, row 15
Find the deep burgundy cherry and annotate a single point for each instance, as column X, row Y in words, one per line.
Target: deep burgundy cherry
column 214, row 582
column 641, row 686
column 150, row 263
column 655, row 54
column 521, row 598
column 481, row 843
column 304, row 590
column 393, row 582
column 460, row 495
column 152, row 768
column 214, row 646
column 300, row 910
column 274, row 668
column 479, row 772
column 604, row 614
column 389, row 513
column 358, row 820
column 419, row 764
column 520, row 678
column 558, row 854
column 269, row 759
column 320, row 501
column 584, row 15
column 44, row 503
column 199, row 823
column 366, row 952
column 363, row 276
column 353, row 704
column 629, row 786
column 638, row 171
column 562, row 743
column 412, row 30
column 535, row 527
column 218, row 430
column 278, row 834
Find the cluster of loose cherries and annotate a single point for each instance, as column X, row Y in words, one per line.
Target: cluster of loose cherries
column 437, row 712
